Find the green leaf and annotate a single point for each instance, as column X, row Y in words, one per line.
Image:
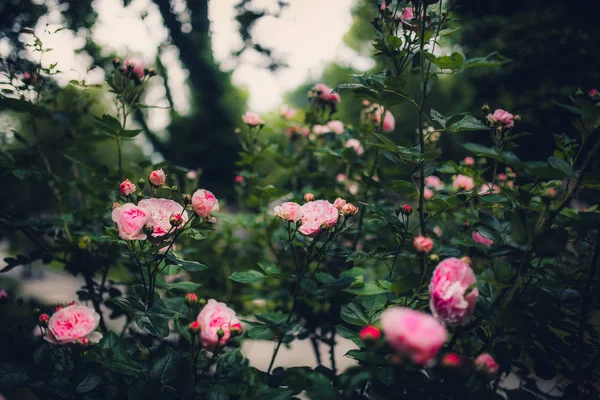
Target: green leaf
column 465, row 122
column 354, row 314
column 129, row 305
column 247, row 277
column 218, row 392
column 184, row 286
column 263, row 332
column 270, row 269
column 348, row 86
column 454, row 61
column 373, row 304
column 190, row 266
column 165, row 368
column 183, row 331
column 153, row 324
column 394, row 42
column 491, row 60
column 494, row 198
column 130, row 133
column 561, row 165
column 368, row 289
column 89, row 383
column 436, row 116
column 349, row 334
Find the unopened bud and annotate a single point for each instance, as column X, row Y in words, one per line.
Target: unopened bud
column 434, row 258
column 451, row 360
column 407, row 210
column 220, row 333
column 84, row 242
column 116, row 204
column 116, row 62
column 141, row 183
column 194, row 327
column 43, row 320
column 549, row 193
column 83, row 341
column 202, row 301
column 148, row 229
column 309, row 197
column 191, row 299
column 369, row 334
column 466, row 260
column 485, row 108
column 236, row 329
column 186, row 198
column 349, row 209
column 176, row 220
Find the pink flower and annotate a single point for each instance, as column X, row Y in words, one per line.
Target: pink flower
column 309, row 197
column 434, row 182
column 463, row 182
column 340, row 178
column 486, row 362
column 336, row 126
column 289, row 211
column 369, row 333
column 287, row 112
column 389, row 122
column 349, row 209
column 448, row 299
column 320, row 129
column 412, row 333
column 424, row 244
column 157, row 177
column 355, row 145
column 478, row 238
column 594, row 93
column 326, row 95
column 216, row 316
column 204, row 203
column 438, row 231
column 161, row 211
column 127, row 188
column 502, row 117
column 73, row 324
column 130, row 220
column 239, row 179
column 353, row 188
column 427, row 193
column 502, row 177
column 136, row 65
column 488, row 188
column 407, row 15
column 191, row 175
column 469, row 161
column 3, row 294
column 252, row 119
column 339, row 203
column 316, row 216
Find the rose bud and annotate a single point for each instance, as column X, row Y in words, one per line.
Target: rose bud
column 434, row 258
column 369, row 334
column 202, row 301
column 83, row 341
column 157, row 177
column 176, row 220
column 148, row 229
column 43, row 320
column 466, row 260
column 485, row 108
column 58, row 308
column 187, row 199
column 191, row 299
column 407, row 210
column 339, row 203
column 116, row 62
column 549, row 193
column 116, row 204
column 423, row 244
column 220, row 333
column 451, row 360
column 236, row 329
column 194, row 327
column 239, row 179
column 349, row 210
column 486, row 363
column 309, row 197
column 127, row 188
column 71, row 304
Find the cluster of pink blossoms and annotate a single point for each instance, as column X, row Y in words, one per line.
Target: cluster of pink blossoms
column 502, row 118
column 72, row 324
column 252, row 119
column 325, row 94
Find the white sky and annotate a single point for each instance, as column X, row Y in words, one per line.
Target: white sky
column 308, row 35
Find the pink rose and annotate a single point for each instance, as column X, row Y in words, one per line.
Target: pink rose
column 289, row 211
column 349, row 209
column 469, row 161
column 325, row 93
column 239, row 179
column 136, row 65
column 316, row 216
column 309, row 197
column 486, row 362
column 423, row 244
column 157, row 177
column 463, row 182
column 353, row 188
column 448, row 299
column 320, row 129
column 502, row 177
column 204, row 203
column 127, row 188
column 434, row 182
column 356, row 146
column 412, row 333
column 594, row 93
column 488, row 188
column 191, row 175
column 438, row 231
column 3, row 294
column 369, row 333
column 73, row 324
column 336, row 126
column 389, row 122
column 407, row 15
column 161, row 211
column 340, row 178
column 252, row 119
column 502, row 117
column 339, row 203
column 216, row 316
column 130, row 220
column 427, row 193
column 478, row 238
column 287, row 112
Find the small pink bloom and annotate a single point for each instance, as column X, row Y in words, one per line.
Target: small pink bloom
column 451, row 360
column 438, row 231
column 204, row 203
column 434, row 182
column 594, row 93
column 239, row 179
column 340, row 178
column 423, row 244
column 130, row 220
column 289, row 211
column 136, row 65
column 355, row 145
column 486, row 362
column 3, row 294
column 252, row 119
column 389, row 122
column 353, row 188
column 448, row 299
column 469, row 161
column 349, row 209
column 287, row 112
column 339, row 203
column 320, row 129
column 478, row 238
column 127, row 188
column 407, row 15
column 427, row 193
column 309, row 197
column 157, row 177
column 73, row 324
column 336, row 127
column 325, row 93
column 502, row 177
column 304, row 131
column 316, row 216
column 216, row 316
column 383, row 6
column 502, row 117
column 413, row 334
column 191, row 175
column 488, row 188
column 463, row 182
column 162, row 211
column 366, row 103
column 369, row 333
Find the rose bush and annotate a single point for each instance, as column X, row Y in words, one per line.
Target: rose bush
column 445, row 272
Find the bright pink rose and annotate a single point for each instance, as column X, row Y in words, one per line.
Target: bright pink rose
column 355, row 145
column 289, row 211
column 157, row 177
column 204, row 203
column 239, row 179
column 216, row 316
column 469, row 161
column 389, row 122
column 488, row 188
column 422, row 243
column 161, row 211
column 316, row 216
column 349, row 209
column 336, row 127
column 127, row 188
column 339, row 203
column 326, row 95
column 130, row 220
column 502, row 177
column 427, row 193
column 73, row 324
column 463, row 182
column 413, row 334
column 478, row 238
column 486, row 362
column 407, row 15
column 252, row 119
column 502, row 117
column 448, row 299
column 138, row 67
column 434, row 182
column 369, row 333
column 287, row 112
